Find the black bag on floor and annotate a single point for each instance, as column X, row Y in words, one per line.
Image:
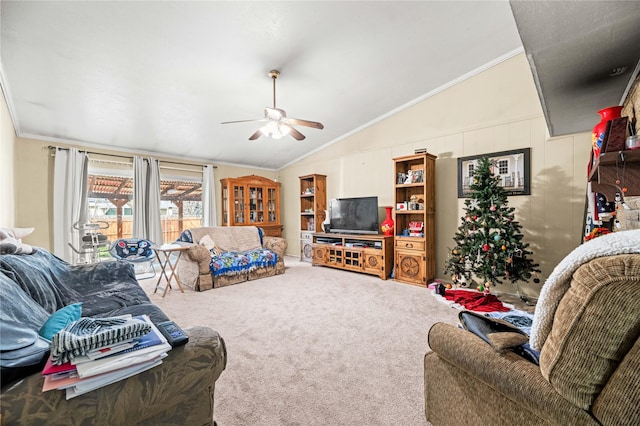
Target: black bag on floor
column 500, row 334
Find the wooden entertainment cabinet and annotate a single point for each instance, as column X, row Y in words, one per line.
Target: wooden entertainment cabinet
column 366, row 253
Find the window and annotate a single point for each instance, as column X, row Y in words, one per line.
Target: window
column 503, row 167
column 110, row 191
column 110, row 197
column 180, row 199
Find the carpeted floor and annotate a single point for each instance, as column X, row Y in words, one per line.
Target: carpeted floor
column 316, row 346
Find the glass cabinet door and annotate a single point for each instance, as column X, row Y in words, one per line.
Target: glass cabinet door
column 225, row 206
column 238, row 204
column 256, row 204
column 271, row 205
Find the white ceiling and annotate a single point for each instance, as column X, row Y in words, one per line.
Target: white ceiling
column 160, row 77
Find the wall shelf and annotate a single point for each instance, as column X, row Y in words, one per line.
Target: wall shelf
column 614, row 171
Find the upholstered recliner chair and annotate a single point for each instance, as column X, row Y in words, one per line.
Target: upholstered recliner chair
column 587, row 327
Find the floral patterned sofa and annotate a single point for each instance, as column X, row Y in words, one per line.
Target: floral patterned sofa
column 225, row 255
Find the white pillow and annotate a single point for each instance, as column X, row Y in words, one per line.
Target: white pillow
column 210, row 245
column 11, row 241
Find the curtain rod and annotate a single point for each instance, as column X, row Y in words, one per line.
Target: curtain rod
column 126, row 156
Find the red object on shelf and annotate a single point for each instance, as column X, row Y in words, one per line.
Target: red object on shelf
column 387, row 225
column 606, row 114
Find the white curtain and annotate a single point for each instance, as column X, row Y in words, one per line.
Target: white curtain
column 146, row 200
column 208, row 196
column 69, row 200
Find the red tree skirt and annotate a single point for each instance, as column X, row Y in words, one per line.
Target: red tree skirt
column 475, row 301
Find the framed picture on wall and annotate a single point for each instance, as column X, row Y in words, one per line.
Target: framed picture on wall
column 513, row 168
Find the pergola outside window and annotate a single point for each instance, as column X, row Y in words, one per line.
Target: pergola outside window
column 110, row 199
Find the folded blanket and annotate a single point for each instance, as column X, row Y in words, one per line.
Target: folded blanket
column 625, row 242
column 87, row 334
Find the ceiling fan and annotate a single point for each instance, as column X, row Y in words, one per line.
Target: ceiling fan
column 277, row 123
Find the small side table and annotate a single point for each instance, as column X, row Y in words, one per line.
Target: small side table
column 165, row 250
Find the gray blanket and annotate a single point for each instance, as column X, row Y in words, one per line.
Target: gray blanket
column 105, row 289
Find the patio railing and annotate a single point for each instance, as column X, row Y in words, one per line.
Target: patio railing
column 171, row 228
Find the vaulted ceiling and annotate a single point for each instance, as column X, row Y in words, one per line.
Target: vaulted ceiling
column 160, row 77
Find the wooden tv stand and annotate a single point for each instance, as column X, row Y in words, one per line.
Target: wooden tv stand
column 366, row 253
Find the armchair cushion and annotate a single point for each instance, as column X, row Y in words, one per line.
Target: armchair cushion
column 596, row 324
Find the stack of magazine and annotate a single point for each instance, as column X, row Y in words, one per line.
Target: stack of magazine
column 109, row 364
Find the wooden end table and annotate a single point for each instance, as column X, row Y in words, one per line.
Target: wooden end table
column 165, row 260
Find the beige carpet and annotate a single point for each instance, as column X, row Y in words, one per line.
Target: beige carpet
column 316, row 346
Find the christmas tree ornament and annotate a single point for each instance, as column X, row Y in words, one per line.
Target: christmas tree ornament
column 496, row 237
column 503, row 247
column 485, row 247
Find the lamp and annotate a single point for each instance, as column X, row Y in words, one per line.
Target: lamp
column 275, row 130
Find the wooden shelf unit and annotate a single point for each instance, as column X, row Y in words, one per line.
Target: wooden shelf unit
column 368, row 254
column 252, row 201
column 415, row 260
column 623, row 166
column 313, row 205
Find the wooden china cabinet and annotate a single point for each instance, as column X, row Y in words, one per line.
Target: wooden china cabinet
column 252, row 201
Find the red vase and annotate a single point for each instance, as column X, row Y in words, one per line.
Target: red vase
column 387, row 225
column 597, row 136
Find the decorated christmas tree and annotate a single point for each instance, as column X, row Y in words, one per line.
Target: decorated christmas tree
column 488, row 243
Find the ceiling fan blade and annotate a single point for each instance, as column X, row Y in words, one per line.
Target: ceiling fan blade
column 244, row 121
column 296, row 134
column 306, row 123
column 256, row 135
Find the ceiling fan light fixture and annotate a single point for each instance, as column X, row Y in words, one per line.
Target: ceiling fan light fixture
column 275, row 130
column 278, row 124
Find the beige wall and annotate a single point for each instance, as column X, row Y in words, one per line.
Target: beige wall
column 34, row 186
column 493, row 111
column 7, row 189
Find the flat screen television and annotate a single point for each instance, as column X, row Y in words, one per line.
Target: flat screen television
column 354, row 215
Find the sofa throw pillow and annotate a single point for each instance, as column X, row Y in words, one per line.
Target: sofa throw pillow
column 60, row 319
column 210, row 245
